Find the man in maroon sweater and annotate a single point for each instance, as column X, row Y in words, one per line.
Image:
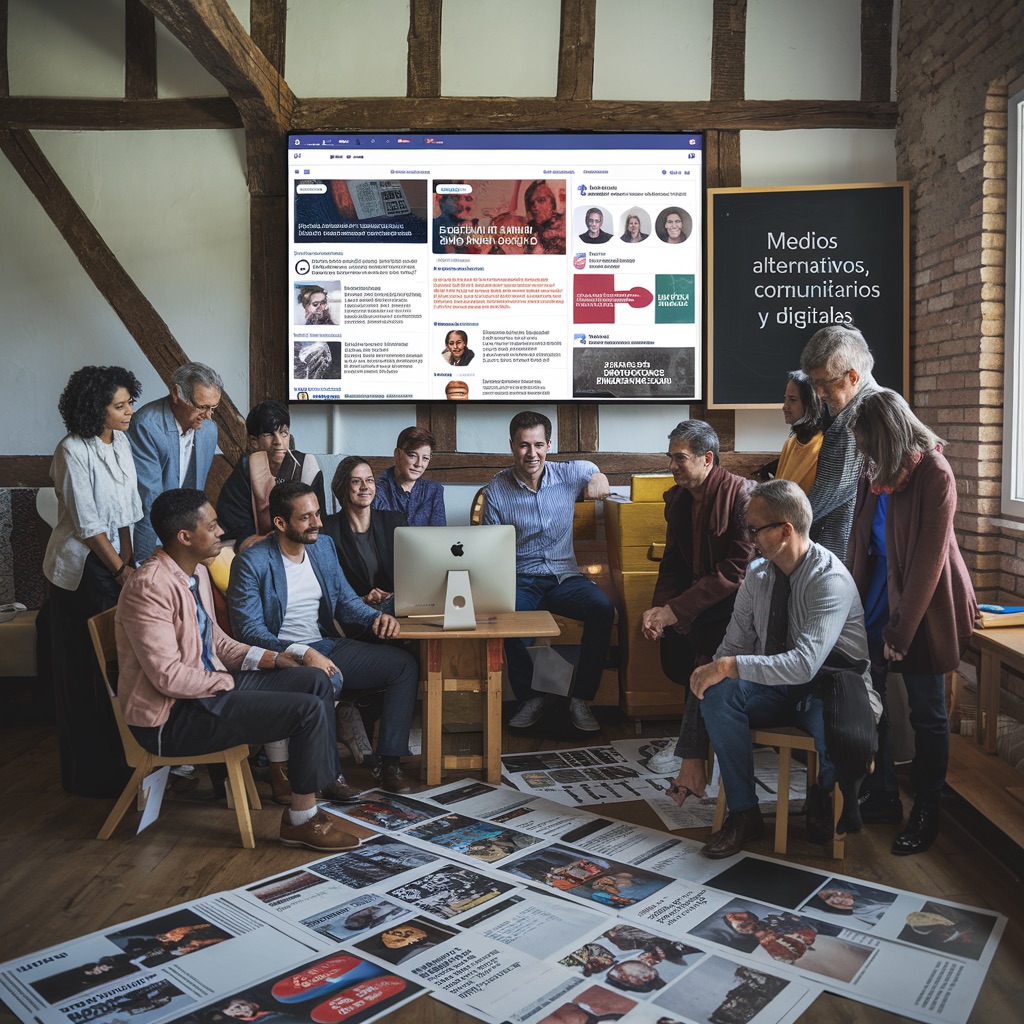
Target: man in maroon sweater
column 707, row 549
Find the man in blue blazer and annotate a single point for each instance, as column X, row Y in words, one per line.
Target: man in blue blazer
column 173, row 442
column 286, row 594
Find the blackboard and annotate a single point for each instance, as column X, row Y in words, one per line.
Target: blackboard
column 784, row 262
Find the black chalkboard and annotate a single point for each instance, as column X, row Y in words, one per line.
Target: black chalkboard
column 785, row 262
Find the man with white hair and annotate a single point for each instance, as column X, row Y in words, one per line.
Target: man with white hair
column 839, row 363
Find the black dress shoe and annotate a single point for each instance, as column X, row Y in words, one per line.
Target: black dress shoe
column 881, row 808
column 740, row 828
column 921, row 831
column 389, row 777
column 340, row 792
column 818, row 808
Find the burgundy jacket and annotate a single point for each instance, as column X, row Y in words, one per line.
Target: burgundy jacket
column 689, row 585
column 932, row 607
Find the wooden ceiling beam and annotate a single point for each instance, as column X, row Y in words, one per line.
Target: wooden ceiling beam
column 268, row 21
column 423, row 76
column 139, row 52
column 135, row 311
column 576, row 50
column 216, row 38
column 535, row 114
column 729, row 50
column 876, row 49
column 45, row 113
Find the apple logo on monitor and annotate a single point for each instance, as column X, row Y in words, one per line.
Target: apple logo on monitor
column 457, row 550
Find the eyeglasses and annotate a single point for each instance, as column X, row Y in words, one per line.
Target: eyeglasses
column 755, row 530
column 206, row 409
column 820, row 384
column 679, row 458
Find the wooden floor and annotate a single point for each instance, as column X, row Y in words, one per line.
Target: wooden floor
column 57, row 881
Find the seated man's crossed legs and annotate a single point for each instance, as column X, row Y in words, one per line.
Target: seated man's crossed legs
column 577, row 598
column 294, row 703
column 730, row 710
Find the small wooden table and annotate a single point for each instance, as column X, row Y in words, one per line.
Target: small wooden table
column 1001, row 646
column 443, row 675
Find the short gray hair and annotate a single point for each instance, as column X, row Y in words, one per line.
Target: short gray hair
column 836, row 349
column 785, row 502
column 187, row 378
column 698, row 436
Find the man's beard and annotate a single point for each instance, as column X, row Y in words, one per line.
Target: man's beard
column 319, row 317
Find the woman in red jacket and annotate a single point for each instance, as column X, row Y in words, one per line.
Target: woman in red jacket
column 919, row 605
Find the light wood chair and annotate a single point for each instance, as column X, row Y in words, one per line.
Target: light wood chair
column 788, row 738
column 241, row 790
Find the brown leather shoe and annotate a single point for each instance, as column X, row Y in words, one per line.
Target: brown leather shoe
column 740, row 828
column 340, row 792
column 321, row 832
column 280, row 787
column 390, row 778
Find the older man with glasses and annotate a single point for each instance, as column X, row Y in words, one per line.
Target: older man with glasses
column 706, row 554
column 839, row 363
column 795, row 607
column 173, row 442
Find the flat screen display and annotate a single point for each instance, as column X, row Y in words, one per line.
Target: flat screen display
column 495, row 267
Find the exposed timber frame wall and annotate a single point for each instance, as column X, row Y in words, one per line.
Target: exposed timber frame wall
column 251, row 67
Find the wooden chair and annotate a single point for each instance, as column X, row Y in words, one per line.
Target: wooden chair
column 788, row 738
column 235, row 759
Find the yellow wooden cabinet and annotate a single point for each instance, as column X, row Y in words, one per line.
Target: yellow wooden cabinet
column 633, row 529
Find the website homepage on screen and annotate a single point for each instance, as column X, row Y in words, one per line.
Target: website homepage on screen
column 495, row 267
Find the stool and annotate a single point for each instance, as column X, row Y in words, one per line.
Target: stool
column 788, row 738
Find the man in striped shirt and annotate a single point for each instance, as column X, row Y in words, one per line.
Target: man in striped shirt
column 795, row 606
column 537, row 498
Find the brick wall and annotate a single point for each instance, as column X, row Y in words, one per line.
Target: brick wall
column 954, row 64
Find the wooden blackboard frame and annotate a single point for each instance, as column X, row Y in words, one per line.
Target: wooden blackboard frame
column 727, row 250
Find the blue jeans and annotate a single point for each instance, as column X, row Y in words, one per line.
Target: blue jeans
column 368, row 666
column 926, row 696
column 733, row 707
column 577, row 598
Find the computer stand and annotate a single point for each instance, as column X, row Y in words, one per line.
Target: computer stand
column 458, row 602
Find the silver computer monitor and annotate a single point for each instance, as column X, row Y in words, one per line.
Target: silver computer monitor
column 428, row 564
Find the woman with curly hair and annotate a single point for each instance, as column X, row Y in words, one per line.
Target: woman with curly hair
column 88, row 559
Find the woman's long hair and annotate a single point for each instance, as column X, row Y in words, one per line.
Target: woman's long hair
column 888, row 433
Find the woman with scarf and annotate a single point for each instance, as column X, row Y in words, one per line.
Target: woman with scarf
column 919, row 604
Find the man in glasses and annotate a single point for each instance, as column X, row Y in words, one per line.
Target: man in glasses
column 839, row 363
column 315, row 306
column 173, row 441
column 795, row 606
column 706, row 554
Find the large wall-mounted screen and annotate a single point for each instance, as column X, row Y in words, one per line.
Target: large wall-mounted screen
column 495, row 266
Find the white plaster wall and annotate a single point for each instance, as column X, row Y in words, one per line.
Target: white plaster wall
column 653, row 50
column 805, row 49
column 347, row 47
column 66, row 47
column 498, row 48
column 173, row 208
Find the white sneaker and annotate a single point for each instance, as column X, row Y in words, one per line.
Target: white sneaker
column 664, row 762
column 530, row 713
column 582, row 717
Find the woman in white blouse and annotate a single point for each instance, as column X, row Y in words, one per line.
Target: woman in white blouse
column 88, row 559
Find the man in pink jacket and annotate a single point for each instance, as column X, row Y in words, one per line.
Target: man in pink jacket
column 187, row 688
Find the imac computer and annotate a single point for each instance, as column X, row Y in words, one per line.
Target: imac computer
column 452, row 574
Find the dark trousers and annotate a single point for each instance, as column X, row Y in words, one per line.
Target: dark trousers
column 926, row 696
column 577, row 598
column 91, row 756
column 680, row 651
column 296, row 704
column 386, row 667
